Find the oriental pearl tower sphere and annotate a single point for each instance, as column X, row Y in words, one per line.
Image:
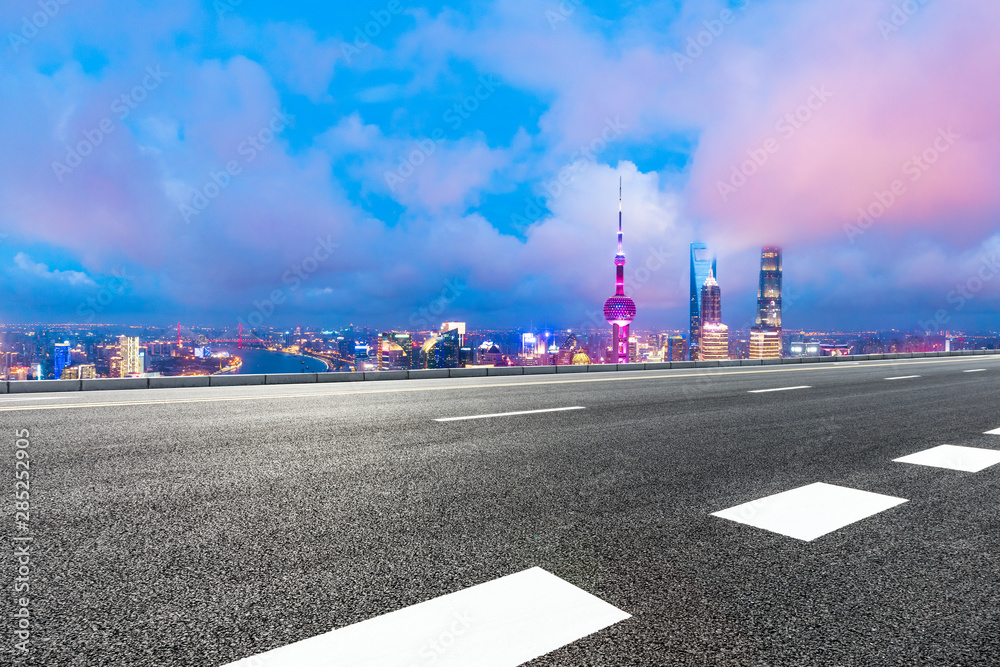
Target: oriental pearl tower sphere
column 619, row 310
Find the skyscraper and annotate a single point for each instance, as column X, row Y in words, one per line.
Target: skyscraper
column 128, row 350
column 619, row 310
column 673, row 348
column 765, row 338
column 713, row 335
column 769, row 292
column 62, row 358
column 701, row 267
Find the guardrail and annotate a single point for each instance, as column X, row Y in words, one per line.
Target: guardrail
column 41, row 386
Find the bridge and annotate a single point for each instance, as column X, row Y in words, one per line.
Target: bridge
column 808, row 514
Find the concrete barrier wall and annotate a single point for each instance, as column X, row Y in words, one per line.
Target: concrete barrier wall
column 43, row 386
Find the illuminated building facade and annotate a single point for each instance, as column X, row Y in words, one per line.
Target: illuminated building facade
column 115, row 367
column 455, row 326
column 701, row 267
column 131, row 362
column 713, row 335
column 765, row 338
column 765, row 343
column 674, row 349
column 389, row 354
column 619, row 310
column 489, row 354
column 61, row 358
column 567, row 350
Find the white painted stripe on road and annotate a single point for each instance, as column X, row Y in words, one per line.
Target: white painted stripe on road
column 975, row 370
column 904, row 377
column 995, row 431
column 952, row 457
column 507, row 414
column 809, row 512
column 765, row 391
column 502, row 623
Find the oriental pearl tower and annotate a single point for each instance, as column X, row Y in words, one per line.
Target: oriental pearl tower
column 619, row 310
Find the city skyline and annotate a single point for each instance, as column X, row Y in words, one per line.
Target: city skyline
column 226, row 179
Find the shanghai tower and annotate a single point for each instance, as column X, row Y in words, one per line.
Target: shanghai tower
column 619, row 310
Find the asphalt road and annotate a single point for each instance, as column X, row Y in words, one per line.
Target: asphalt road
column 202, row 526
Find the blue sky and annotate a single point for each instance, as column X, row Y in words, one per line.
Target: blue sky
column 302, row 163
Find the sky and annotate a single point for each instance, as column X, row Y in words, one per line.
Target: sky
column 393, row 164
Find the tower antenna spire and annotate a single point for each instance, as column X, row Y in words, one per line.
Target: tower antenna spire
column 619, row 310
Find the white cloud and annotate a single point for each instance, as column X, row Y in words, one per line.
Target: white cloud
column 25, row 263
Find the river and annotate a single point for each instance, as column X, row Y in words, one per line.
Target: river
column 256, row 362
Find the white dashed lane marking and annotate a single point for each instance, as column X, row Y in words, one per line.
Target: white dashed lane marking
column 502, row 623
column 952, row 457
column 767, row 391
column 809, row 512
column 507, row 414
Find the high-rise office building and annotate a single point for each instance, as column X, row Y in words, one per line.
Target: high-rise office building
column 713, row 335
column 673, row 349
column 87, row 371
column 701, row 267
column 459, row 326
column 405, row 343
column 115, row 367
column 765, row 338
column 61, row 358
column 619, row 310
column 387, row 349
column 769, row 291
column 128, row 350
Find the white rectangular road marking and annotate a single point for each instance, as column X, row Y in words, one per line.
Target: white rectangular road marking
column 995, row 431
column 967, row 459
column 765, row 391
column 975, row 370
column 507, row 414
column 904, row 377
column 809, row 512
column 502, row 623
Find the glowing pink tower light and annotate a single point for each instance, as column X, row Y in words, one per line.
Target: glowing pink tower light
column 619, row 310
